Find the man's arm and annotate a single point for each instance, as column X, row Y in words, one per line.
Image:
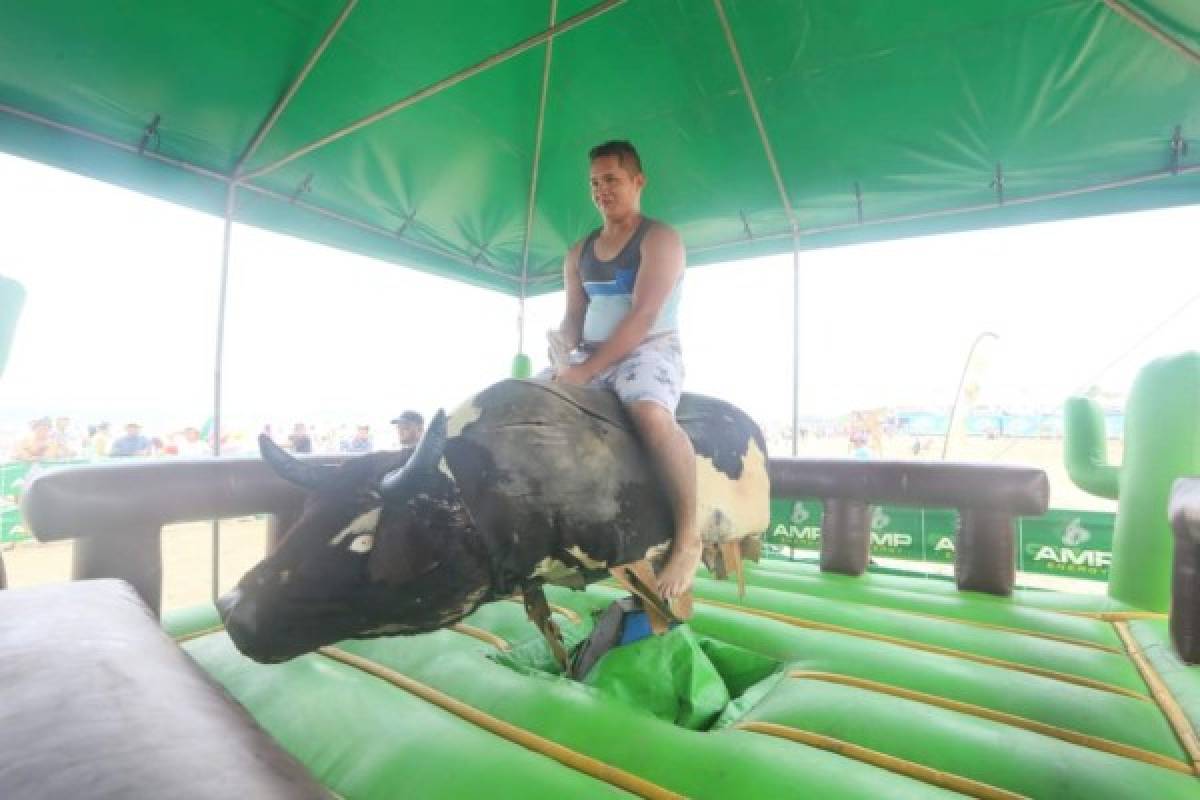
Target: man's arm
column 571, row 328
column 662, row 266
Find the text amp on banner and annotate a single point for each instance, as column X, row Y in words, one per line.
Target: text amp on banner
column 1075, row 544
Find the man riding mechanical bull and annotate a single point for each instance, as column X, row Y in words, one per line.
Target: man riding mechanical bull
column 558, row 480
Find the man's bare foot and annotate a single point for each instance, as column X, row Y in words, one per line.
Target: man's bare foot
column 676, row 577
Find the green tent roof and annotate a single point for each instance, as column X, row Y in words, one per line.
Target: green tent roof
column 876, row 118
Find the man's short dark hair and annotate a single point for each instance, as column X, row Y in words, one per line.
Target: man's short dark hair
column 626, row 155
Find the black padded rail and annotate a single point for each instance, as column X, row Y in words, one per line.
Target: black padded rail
column 99, row 703
column 987, row 497
column 1019, row 491
column 1184, row 512
column 115, row 511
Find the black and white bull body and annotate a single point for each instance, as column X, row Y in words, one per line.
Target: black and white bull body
column 527, row 483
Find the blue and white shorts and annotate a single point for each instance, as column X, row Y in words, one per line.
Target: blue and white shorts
column 652, row 372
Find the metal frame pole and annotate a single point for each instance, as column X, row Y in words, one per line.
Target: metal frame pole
column 1121, row 183
column 777, row 175
column 533, row 181
column 1144, row 22
column 443, row 84
column 962, row 381
column 282, row 104
column 222, row 298
column 795, row 346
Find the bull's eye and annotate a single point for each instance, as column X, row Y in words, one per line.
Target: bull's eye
column 366, row 522
column 362, row 543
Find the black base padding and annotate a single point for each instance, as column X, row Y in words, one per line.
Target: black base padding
column 985, row 552
column 1185, row 600
column 1184, row 511
column 99, row 703
column 845, row 536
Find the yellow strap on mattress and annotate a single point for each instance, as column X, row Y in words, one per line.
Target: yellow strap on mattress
column 1162, row 695
column 932, row 648
column 527, row 739
column 1067, row 735
column 900, row 766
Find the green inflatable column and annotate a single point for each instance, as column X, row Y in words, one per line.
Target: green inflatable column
column 12, row 296
column 1162, row 443
column 522, row 367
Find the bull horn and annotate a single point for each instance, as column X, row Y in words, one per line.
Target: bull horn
column 290, row 468
column 399, row 483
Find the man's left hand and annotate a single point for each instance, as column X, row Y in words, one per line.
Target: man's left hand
column 576, row 375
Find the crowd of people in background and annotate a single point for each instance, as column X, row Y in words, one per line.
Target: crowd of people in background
column 58, row 440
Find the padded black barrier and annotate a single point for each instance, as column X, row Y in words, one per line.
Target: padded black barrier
column 99, row 703
column 988, row 499
column 1184, row 511
column 115, row 512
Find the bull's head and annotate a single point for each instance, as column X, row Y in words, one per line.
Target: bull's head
column 384, row 545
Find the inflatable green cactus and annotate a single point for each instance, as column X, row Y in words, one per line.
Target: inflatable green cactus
column 1162, row 443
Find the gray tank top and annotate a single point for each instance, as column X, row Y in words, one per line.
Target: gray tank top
column 609, row 287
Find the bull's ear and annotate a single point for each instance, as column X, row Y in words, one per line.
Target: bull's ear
column 292, row 469
column 400, row 484
column 401, row 554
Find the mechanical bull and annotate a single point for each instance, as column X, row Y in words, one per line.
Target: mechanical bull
column 527, row 483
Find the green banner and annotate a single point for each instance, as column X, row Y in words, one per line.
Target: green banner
column 1075, row 544
column 12, row 477
column 939, row 529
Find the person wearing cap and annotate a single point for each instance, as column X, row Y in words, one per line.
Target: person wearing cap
column 131, row 444
column 410, row 427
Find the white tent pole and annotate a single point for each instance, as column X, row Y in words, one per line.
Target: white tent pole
column 1147, row 177
column 221, row 178
column 282, row 104
column 215, row 433
column 367, row 226
column 787, row 207
column 1144, row 22
column 129, row 148
column 443, row 84
column 754, row 112
column 795, row 346
column 533, row 181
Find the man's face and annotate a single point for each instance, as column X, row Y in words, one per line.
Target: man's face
column 615, row 192
column 408, row 433
column 133, row 430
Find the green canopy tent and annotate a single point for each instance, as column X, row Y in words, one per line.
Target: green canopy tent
column 451, row 136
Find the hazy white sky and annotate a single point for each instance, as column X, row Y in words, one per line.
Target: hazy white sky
column 120, row 318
